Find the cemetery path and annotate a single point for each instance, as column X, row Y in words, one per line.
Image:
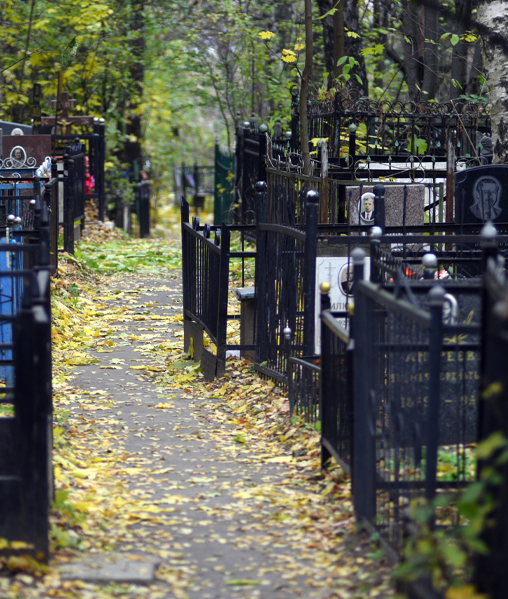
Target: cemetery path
column 166, row 489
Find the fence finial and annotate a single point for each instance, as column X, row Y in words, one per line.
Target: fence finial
column 312, row 196
column 488, row 231
column 437, row 295
column 376, row 232
column 429, row 262
column 260, row 186
column 358, row 256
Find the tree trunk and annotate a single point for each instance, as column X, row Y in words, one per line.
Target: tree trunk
column 353, row 47
column 132, row 147
column 431, row 76
column 304, row 90
column 459, row 59
column 492, row 22
column 328, row 35
column 412, row 56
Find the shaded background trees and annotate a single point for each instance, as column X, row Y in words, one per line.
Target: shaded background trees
column 168, row 76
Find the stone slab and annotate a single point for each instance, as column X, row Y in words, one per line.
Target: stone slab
column 404, row 205
column 480, row 194
column 115, row 567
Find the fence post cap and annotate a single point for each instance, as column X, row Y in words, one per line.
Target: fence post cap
column 358, row 256
column 324, row 288
column 488, row 231
column 437, row 295
column 379, row 189
column 429, row 260
column 376, row 232
column 263, row 128
column 312, row 196
column 287, row 333
column 260, row 186
column 352, row 128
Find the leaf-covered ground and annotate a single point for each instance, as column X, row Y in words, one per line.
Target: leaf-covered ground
column 209, row 485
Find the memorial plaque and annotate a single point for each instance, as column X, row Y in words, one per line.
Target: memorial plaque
column 338, row 271
column 25, row 151
column 481, row 194
column 404, row 205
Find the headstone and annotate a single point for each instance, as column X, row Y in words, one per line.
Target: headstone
column 338, row 271
column 63, row 120
column 481, row 194
column 404, row 205
column 7, row 128
column 25, row 151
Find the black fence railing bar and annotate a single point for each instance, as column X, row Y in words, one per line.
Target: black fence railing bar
column 490, row 569
column 285, row 287
column 398, row 131
column 206, row 254
column 414, row 390
column 142, row 205
column 95, row 150
column 336, row 390
column 250, row 164
column 303, row 387
column 26, row 479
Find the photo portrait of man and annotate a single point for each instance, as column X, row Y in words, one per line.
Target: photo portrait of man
column 18, row 156
column 367, row 208
column 346, row 279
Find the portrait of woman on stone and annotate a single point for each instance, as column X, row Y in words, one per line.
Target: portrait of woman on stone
column 18, row 156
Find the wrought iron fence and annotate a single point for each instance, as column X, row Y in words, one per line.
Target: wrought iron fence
column 303, row 387
column 414, row 389
column 25, row 392
column 205, row 268
column 142, row 203
column 285, row 284
column 490, row 569
column 394, row 131
column 336, row 396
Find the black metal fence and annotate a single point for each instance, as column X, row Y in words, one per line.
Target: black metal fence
column 491, row 575
column 95, row 149
column 393, row 132
column 285, row 287
column 142, row 203
column 206, row 253
column 26, row 479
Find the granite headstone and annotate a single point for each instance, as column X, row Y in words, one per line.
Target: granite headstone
column 404, row 205
column 481, row 194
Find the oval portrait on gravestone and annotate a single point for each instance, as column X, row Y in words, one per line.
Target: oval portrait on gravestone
column 486, row 198
column 346, row 279
column 18, row 156
column 366, row 210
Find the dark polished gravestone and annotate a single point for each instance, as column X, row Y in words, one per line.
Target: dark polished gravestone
column 481, row 194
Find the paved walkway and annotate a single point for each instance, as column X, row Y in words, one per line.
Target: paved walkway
column 175, row 495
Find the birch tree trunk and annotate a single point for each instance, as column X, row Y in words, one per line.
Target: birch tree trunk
column 304, row 89
column 492, row 22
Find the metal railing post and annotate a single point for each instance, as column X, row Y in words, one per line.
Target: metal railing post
column 436, row 300
column 261, row 283
column 309, row 272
